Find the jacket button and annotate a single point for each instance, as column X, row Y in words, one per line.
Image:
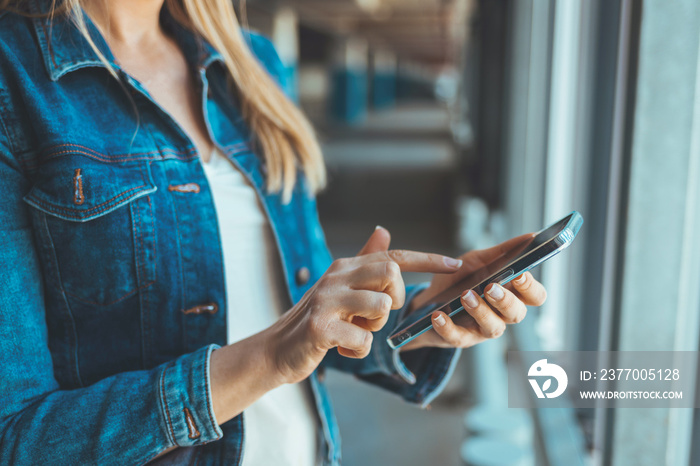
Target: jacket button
column 210, row 308
column 302, row 276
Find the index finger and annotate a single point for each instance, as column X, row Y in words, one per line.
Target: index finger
column 414, row 261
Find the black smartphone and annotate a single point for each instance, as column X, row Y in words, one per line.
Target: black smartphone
column 525, row 256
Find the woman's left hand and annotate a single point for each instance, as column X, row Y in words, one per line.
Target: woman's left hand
column 484, row 318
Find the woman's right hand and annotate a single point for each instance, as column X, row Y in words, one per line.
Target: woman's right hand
column 349, row 302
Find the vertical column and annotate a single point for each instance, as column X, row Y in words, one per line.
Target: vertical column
column 349, row 96
column 528, row 111
column 383, row 79
column 658, row 295
column 285, row 37
column 560, row 174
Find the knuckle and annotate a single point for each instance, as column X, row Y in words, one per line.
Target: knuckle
column 392, row 270
column 321, row 280
column 317, row 327
column 497, row 330
column 313, row 326
column 387, row 276
column 399, row 299
column 454, row 340
column 385, row 303
column 375, row 325
column 339, row 264
column 324, row 296
column 398, row 255
column 515, row 313
column 367, row 343
column 511, row 307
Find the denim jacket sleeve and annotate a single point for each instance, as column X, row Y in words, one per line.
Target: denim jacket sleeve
column 127, row 418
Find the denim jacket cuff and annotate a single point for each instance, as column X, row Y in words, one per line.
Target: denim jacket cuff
column 425, row 370
column 433, row 368
column 185, row 399
column 386, row 358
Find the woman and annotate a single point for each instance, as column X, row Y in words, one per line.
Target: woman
column 167, row 291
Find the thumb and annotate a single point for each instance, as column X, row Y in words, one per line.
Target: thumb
column 378, row 241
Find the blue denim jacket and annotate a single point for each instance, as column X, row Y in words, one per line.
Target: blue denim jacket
column 112, row 295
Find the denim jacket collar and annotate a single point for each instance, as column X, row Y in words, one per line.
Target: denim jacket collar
column 65, row 49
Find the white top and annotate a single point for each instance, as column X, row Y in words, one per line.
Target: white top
column 280, row 428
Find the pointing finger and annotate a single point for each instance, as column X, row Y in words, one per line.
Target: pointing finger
column 413, row 261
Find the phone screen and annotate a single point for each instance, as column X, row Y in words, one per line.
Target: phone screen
column 477, row 277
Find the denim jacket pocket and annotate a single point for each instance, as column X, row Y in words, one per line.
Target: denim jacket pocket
column 98, row 226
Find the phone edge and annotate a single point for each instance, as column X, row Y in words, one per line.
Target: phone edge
column 566, row 236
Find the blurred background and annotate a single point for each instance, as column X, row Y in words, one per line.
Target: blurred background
column 457, row 124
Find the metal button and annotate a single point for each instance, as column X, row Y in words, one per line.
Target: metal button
column 506, row 274
column 209, row 308
column 302, row 276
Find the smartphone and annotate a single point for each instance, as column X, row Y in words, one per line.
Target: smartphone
column 524, row 256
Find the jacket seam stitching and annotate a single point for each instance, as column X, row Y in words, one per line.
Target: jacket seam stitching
column 52, row 153
column 165, row 404
column 75, row 369
column 98, row 209
column 49, row 47
column 180, row 264
column 239, row 450
column 3, row 125
column 192, row 151
column 185, row 154
column 143, row 265
column 207, row 389
column 126, row 295
column 122, row 158
column 4, row 107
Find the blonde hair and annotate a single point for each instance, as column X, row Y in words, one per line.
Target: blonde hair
column 284, row 135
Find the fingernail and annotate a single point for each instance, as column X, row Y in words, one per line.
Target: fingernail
column 440, row 320
column 470, row 299
column 496, row 292
column 520, row 280
column 379, row 227
column 454, row 263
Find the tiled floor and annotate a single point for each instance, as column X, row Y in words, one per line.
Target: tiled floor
column 380, row 429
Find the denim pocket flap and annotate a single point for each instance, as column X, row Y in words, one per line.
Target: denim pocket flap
column 79, row 189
